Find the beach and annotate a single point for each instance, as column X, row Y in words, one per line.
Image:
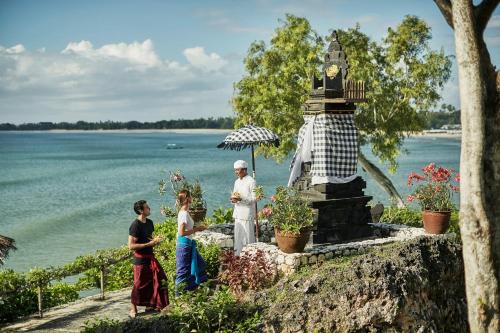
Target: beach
column 179, row 130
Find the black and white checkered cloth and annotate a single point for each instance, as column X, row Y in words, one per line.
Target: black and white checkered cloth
column 334, row 146
column 249, row 135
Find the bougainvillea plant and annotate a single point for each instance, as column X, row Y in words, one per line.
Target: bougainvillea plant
column 434, row 188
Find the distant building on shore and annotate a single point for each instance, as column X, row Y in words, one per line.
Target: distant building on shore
column 452, row 127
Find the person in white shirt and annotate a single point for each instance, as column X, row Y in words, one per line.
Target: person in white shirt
column 243, row 198
column 190, row 267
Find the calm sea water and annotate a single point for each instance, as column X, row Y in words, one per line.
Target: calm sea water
column 67, row 194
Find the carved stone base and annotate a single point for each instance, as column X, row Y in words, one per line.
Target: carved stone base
column 338, row 220
column 341, row 210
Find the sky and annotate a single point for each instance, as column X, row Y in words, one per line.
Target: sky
column 149, row 60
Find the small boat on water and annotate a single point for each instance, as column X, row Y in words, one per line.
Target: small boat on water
column 173, row 146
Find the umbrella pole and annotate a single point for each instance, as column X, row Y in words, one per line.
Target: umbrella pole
column 256, row 210
column 253, row 163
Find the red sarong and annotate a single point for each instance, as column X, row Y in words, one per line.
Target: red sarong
column 148, row 280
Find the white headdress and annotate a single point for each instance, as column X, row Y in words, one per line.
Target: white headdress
column 240, row 164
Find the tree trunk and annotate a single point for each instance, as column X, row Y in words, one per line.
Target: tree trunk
column 381, row 179
column 480, row 171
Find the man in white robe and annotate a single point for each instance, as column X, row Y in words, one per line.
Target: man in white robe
column 243, row 198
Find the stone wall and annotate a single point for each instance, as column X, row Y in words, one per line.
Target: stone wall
column 222, row 235
column 224, row 241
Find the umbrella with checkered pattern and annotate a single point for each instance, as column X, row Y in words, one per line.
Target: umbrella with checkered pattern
column 248, row 136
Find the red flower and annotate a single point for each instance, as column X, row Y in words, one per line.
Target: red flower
column 266, row 212
column 435, row 190
column 429, row 168
column 416, row 176
column 440, row 175
column 178, row 178
column 457, row 178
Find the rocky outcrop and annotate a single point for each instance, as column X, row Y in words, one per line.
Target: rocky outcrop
column 412, row 286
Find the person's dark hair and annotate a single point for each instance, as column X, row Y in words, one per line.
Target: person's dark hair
column 182, row 197
column 139, row 206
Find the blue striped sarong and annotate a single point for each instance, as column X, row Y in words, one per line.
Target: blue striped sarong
column 190, row 266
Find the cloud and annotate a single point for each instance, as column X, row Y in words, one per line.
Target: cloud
column 206, row 62
column 136, row 53
column 83, row 47
column 113, row 82
column 17, row 49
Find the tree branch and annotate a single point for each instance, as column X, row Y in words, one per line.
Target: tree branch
column 381, row 179
column 498, row 80
column 445, row 8
column 482, row 13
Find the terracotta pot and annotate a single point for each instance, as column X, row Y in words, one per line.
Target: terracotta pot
column 198, row 214
column 291, row 243
column 436, row 222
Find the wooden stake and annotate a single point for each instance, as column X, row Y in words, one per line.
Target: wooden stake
column 40, row 309
column 102, row 282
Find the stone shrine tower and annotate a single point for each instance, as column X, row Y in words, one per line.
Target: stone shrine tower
column 324, row 167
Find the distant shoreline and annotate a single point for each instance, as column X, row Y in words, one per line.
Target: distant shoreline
column 180, row 130
column 426, row 133
column 438, row 134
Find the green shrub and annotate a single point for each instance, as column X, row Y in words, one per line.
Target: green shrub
column 59, row 293
column 404, row 216
column 454, row 222
column 211, row 253
column 118, row 276
column 207, row 311
column 19, row 298
column 289, row 212
column 222, row 216
column 100, row 325
column 16, row 299
column 202, row 310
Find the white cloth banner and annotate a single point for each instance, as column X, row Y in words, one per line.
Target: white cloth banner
column 329, row 142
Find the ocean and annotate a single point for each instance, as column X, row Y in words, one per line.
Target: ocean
column 65, row 194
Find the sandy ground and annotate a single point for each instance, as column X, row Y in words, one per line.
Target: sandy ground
column 72, row 317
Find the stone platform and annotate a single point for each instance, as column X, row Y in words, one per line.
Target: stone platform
column 381, row 233
column 317, row 253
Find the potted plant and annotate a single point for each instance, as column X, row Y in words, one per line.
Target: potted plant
column 291, row 217
column 198, row 208
column 434, row 192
